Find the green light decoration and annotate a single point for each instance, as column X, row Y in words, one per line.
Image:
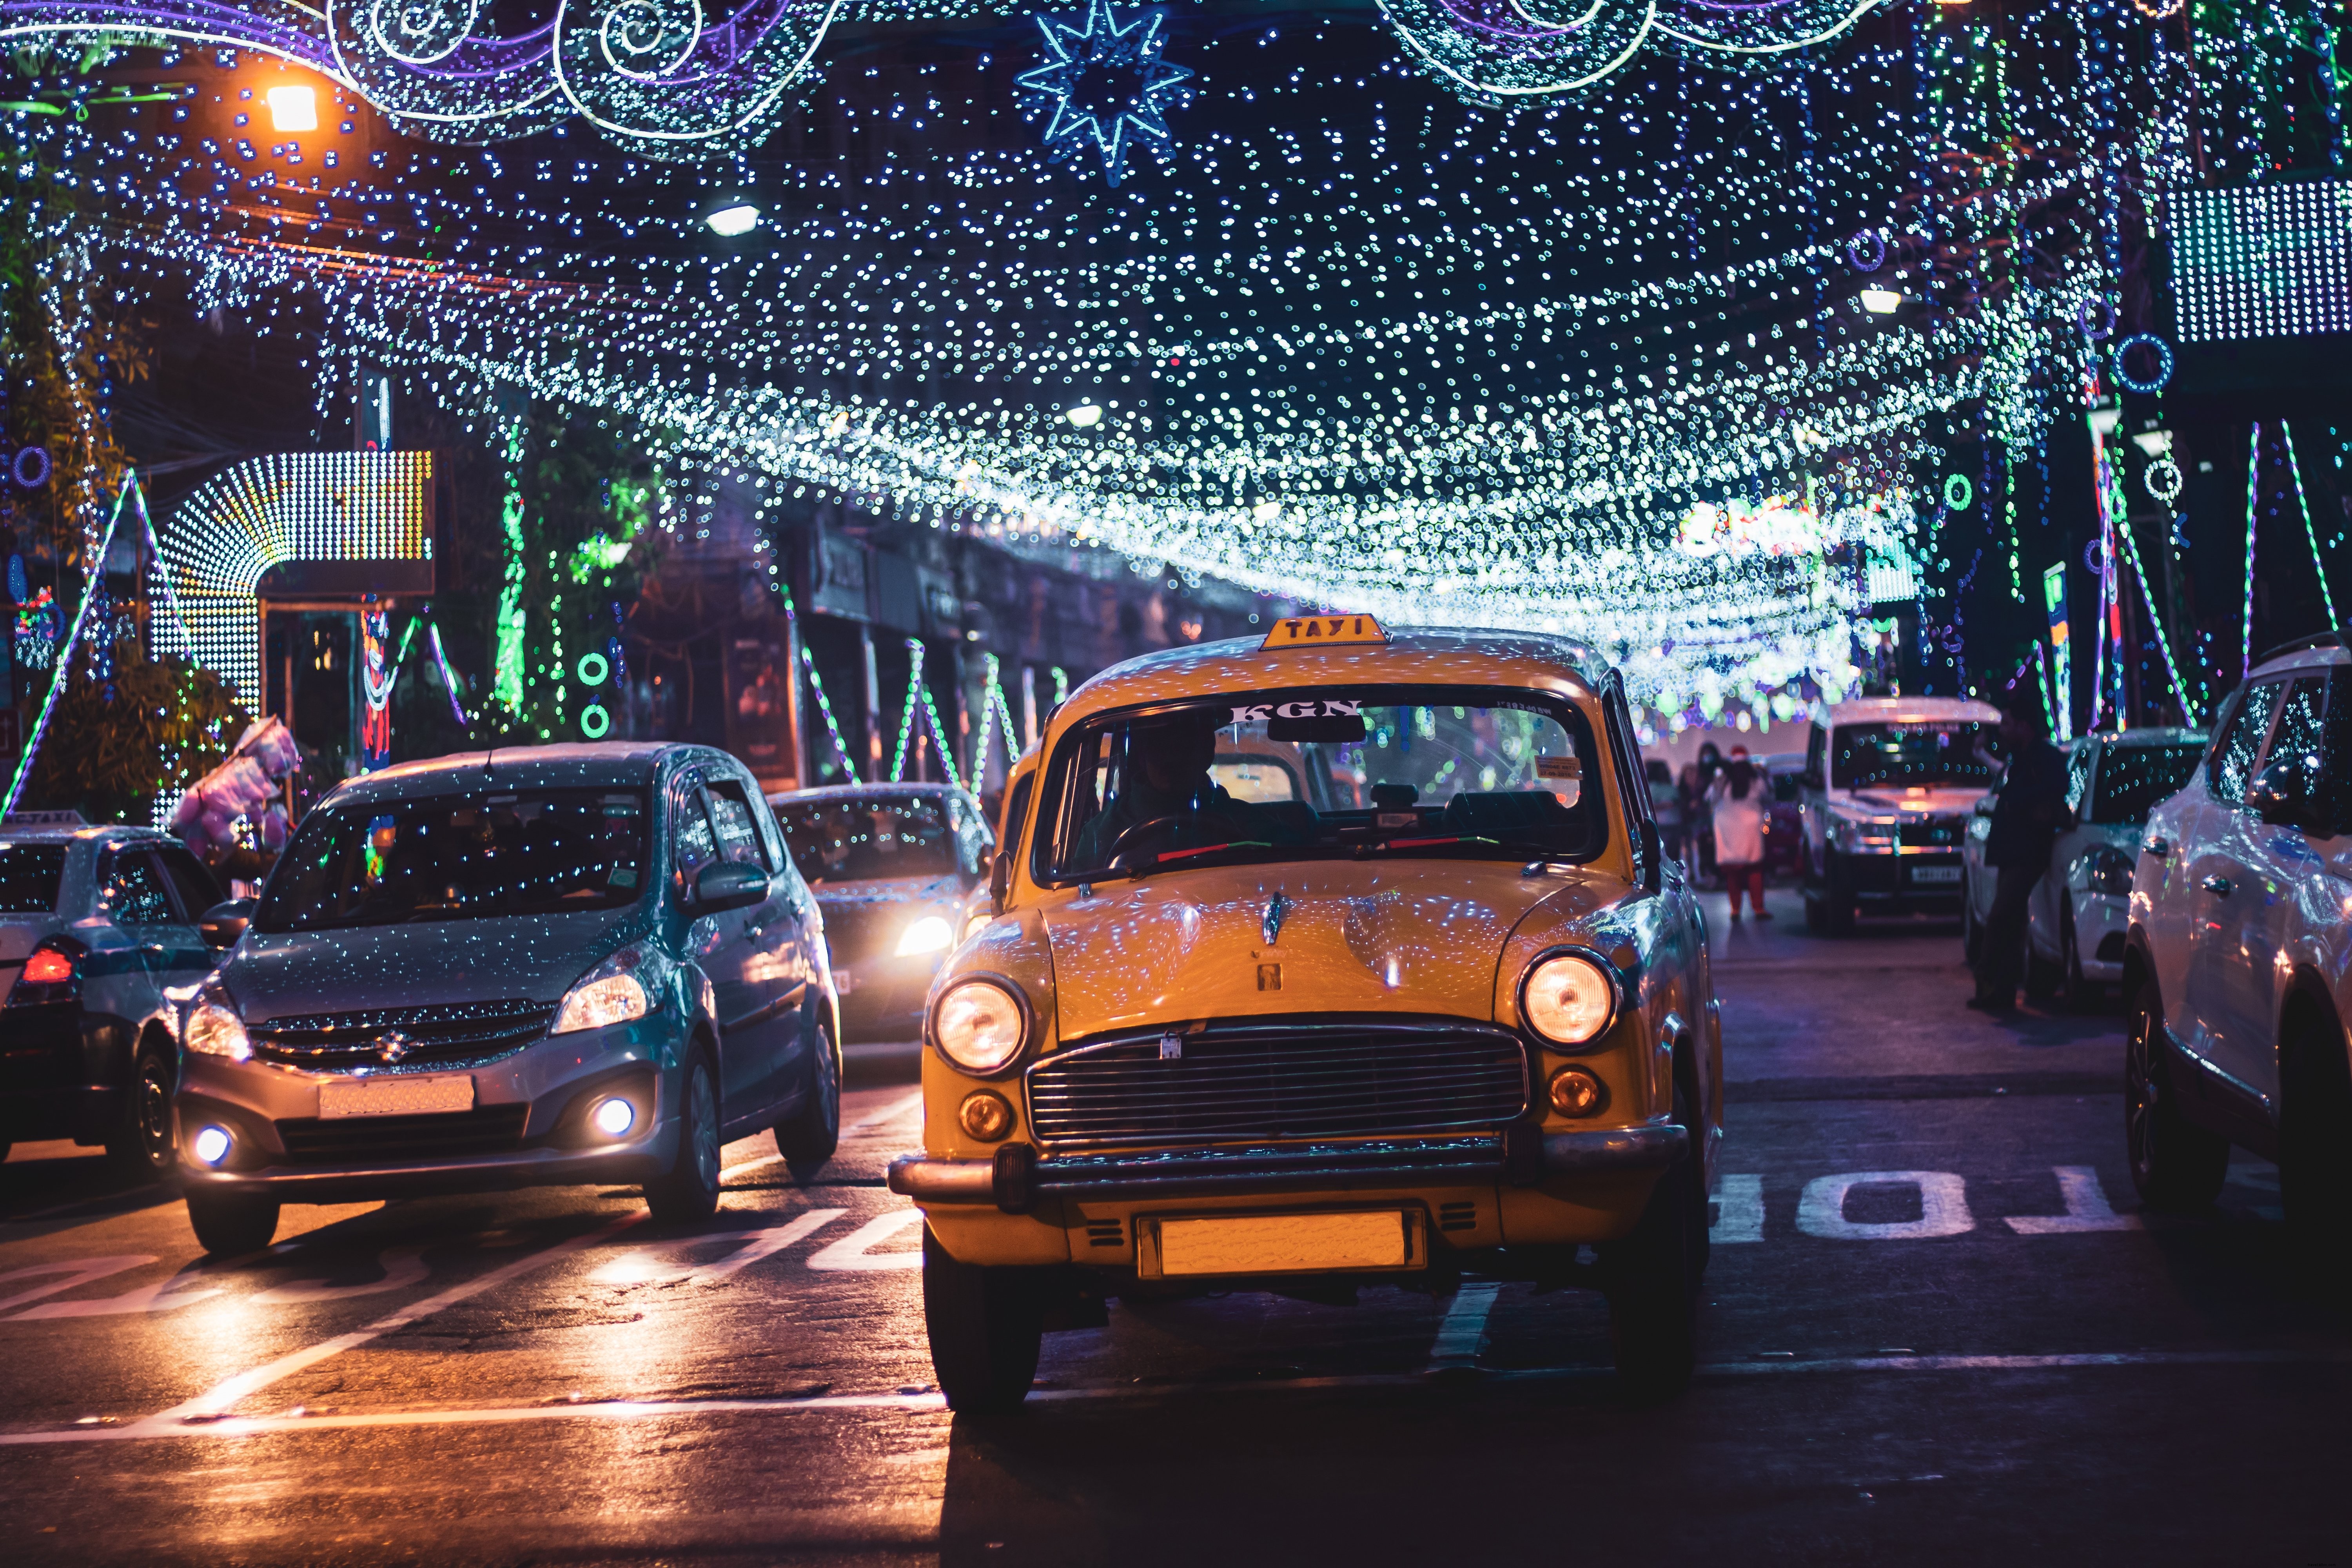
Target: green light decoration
column 2309, row 532
column 1959, row 494
column 594, row 668
column 1061, row 684
column 939, row 738
column 832, row 725
column 506, row 679
column 906, row 709
column 595, row 723
column 996, row 710
column 65, row 653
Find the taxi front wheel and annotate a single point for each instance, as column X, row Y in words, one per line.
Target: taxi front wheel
column 986, row 1326
column 1652, row 1286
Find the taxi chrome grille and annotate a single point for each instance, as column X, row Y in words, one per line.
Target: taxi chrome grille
column 1277, row 1079
column 436, row 1035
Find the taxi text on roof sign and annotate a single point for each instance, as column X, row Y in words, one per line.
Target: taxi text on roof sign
column 1323, row 630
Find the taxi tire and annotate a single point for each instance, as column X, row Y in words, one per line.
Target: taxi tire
column 986, row 1326
column 809, row 1136
column 690, row 1191
column 143, row 1146
column 229, row 1225
column 1654, row 1281
column 2174, row 1163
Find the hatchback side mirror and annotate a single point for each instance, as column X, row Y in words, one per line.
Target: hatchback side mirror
column 1000, row 881
column 729, row 885
column 224, row 923
column 2286, row 793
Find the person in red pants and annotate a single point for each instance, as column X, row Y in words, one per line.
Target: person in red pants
column 1740, row 799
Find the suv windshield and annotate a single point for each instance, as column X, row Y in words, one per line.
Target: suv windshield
column 505, row 852
column 883, row 836
column 1920, row 754
column 2132, row 779
column 29, row 875
column 1447, row 770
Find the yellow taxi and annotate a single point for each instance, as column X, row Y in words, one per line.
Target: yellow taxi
column 1428, row 1003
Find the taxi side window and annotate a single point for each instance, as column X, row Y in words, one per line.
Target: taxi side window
column 196, row 890
column 2233, row 766
column 135, row 894
column 739, row 834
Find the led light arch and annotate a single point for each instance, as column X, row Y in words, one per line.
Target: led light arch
column 363, row 512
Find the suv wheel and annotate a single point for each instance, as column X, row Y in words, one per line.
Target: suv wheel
column 2314, row 1148
column 2174, row 1163
column 230, row 1224
column 809, row 1137
column 1653, row 1281
column 986, row 1326
column 690, row 1191
column 144, row 1147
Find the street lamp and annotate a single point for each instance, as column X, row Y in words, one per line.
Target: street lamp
column 1085, row 416
column 1882, row 301
column 732, row 216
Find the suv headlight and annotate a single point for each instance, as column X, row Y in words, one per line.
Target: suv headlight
column 2107, row 869
column 980, row 1025
column 213, row 1029
column 1569, row 999
column 611, row 992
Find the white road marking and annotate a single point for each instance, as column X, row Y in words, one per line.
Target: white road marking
column 888, row 1114
column 856, row 1250
column 632, row 1409
column 161, row 1297
column 2087, row 1208
column 1943, row 1206
column 222, row 1396
column 1463, row 1333
column 402, row 1266
column 70, row 1272
column 637, row 1266
column 1739, row 1210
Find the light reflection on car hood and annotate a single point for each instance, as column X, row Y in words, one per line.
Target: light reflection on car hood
column 538, row 957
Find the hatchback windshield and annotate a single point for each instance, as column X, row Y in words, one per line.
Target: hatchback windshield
column 29, row 874
column 883, row 836
column 510, row 852
column 2132, row 779
column 1291, row 775
column 1926, row 754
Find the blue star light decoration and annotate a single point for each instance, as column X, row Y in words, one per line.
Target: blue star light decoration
column 1104, row 81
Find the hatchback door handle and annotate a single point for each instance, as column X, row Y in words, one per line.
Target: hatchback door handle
column 2217, row 886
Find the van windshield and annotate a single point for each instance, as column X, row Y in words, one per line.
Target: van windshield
column 1442, row 771
column 856, row 840
column 1923, row 753
column 508, row 852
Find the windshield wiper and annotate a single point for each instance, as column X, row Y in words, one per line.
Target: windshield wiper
column 1516, row 846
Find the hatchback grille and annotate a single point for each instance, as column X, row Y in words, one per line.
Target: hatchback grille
column 442, row 1034
column 1332, row 1079
column 441, row 1135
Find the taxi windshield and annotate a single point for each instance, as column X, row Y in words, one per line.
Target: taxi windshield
column 1442, row 771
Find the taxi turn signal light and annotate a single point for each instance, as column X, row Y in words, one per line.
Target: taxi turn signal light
column 1578, row 1092
column 985, row 1116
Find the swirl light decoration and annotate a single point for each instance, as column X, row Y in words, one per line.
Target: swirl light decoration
column 1505, row 49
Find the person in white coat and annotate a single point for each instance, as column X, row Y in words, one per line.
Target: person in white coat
column 1739, row 801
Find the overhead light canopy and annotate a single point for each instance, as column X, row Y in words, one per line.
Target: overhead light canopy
column 1882, row 301
column 732, row 217
column 293, row 108
column 1085, row 416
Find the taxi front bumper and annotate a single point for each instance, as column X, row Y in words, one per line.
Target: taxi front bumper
column 1016, row 1180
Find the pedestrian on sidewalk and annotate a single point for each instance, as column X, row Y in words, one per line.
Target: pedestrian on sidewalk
column 2027, row 814
column 1739, row 798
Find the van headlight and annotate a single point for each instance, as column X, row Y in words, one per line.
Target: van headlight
column 611, row 992
column 1569, row 999
column 980, row 1025
column 213, row 1029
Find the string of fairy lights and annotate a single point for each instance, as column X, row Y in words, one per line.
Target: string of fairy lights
column 1350, row 331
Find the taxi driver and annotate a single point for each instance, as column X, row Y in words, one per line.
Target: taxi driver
column 1167, row 775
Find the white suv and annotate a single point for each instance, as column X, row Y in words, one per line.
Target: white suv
column 2235, row 967
column 1888, row 785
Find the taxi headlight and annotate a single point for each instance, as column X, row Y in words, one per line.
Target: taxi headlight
column 929, row 935
column 1569, row 999
column 213, row 1029
column 980, row 1025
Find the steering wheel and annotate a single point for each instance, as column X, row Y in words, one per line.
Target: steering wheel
column 1118, row 846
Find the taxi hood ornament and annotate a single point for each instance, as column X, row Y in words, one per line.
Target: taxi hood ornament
column 1275, row 908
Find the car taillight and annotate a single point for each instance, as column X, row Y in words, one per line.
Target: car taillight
column 51, row 974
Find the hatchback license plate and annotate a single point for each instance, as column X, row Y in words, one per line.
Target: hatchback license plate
column 397, row 1096
column 1935, row 874
column 1284, row 1244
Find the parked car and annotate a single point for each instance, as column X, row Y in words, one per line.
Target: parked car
column 898, row 871
column 1784, row 815
column 2235, row 967
column 2080, row 912
column 547, row 966
column 1889, row 783
column 1208, row 1044
column 1666, row 806
column 95, row 923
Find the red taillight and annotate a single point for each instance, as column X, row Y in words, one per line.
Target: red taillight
column 48, row 967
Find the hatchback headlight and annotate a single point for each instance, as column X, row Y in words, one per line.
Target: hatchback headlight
column 1569, row 999
column 932, row 933
column 611, row 992
column 980, row 1025
column 213, row 1029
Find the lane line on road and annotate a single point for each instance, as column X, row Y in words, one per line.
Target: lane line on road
column 882, row 1118
column 1463, row 1333
column 222, row 1396
column 254, row 1426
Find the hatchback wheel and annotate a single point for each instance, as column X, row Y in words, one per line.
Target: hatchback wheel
column 230, row 1224
column 809, row 1137
column 690, row 1191
column 986, row 1326
column 2174, row 1163
column 2075, row 992
column 144, row 1147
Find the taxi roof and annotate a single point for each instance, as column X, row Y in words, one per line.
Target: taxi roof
column 1435, row 654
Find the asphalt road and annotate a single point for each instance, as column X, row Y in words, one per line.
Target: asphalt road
column 1938, row 1331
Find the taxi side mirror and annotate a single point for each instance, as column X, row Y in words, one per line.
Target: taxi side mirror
column 224, row 923
column 1000, row 880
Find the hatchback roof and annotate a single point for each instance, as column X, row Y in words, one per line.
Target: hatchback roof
column 584, row 764
column 1908, row 709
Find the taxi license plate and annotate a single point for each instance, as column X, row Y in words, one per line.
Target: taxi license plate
column 397, row 1096
column 1282, row 1244
column 1925, row 873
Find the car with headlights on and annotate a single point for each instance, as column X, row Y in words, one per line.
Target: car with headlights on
column 525, row 967
column 95, row 924
column 2080, row 912
column 898, row 871
column 1437, row 1006
column 1888, row 786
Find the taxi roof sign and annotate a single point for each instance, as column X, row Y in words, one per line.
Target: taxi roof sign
column 1322, row 631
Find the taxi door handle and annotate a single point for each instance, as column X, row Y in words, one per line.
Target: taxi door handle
column 2217, row 886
